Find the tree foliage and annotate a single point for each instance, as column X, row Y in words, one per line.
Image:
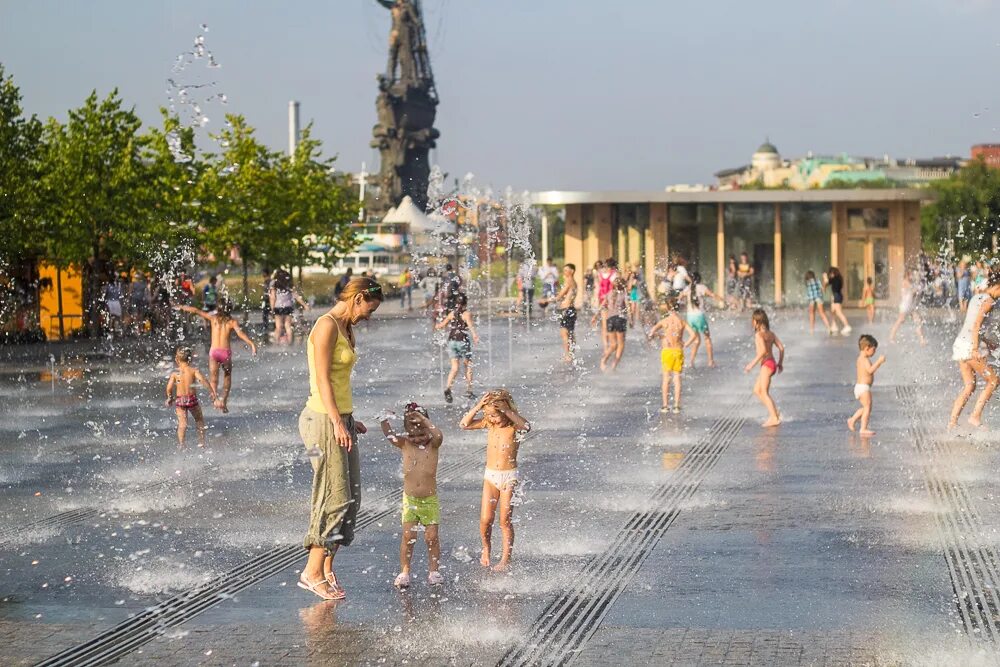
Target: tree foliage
column 99, row 192
column 967, row 204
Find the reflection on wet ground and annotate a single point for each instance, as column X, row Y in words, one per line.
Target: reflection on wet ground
column 689, row 536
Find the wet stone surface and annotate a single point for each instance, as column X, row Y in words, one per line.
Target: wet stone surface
column 803, row 544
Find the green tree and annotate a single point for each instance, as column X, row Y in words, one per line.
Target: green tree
column 317, row 208
column 967, row 204
column 20, row 137
column 239, row 197
column 92, row 190
column 172, row 184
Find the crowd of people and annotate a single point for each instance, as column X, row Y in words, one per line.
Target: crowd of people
column 620, row 302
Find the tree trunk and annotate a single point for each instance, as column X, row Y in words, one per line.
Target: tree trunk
column 246, row 287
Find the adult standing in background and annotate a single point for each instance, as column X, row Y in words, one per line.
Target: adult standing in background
column 835, row 281
column 329, row 431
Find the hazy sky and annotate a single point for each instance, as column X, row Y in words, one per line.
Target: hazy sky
column 553, row 94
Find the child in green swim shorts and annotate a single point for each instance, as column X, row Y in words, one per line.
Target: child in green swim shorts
column 420, row 446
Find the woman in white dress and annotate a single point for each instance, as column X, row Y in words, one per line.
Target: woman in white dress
column 966, row 352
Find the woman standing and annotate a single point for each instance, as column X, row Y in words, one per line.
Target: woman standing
column 329, row 431
column 732, row 300
column 966, row 352
column 744, row 280
column 835, row 282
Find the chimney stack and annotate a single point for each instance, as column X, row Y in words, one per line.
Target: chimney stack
column 293, row 127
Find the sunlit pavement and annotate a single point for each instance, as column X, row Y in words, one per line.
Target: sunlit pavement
column 693, row 539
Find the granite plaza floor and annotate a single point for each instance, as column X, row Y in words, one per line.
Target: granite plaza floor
column 693, row 539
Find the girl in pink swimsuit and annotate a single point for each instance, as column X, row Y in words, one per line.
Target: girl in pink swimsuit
column 765, row 340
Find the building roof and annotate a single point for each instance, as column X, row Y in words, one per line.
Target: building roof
column 767, row 147
column 563, row 197
column 732, row 171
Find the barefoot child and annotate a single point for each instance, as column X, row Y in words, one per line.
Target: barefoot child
column 866, row 376
column 765, row 340
column 420, row 447
column 181, row 385
column 221, row 355
column 868, row 299
column 671, row 330
column 814, row 295
column 504, row 426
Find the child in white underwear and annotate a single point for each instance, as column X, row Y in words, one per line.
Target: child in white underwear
column 866, row 376
column 504, row 426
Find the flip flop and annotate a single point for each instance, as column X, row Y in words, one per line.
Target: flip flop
column 338, row 590
column 312, row 588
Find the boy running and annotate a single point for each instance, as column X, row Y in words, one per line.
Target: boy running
column 221, row 354
column 865, row 377
column 181, row 394
column 567, row 310
column 420, row 447
column 504, row 425
column 671, row 330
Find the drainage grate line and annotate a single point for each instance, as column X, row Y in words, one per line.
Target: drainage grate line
column 972, row 567
column 139, row 630
column 569, row 620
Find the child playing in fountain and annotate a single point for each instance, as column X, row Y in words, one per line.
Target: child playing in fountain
column 181, row 394
column 504, row 425
column 221, row 355
column 866, row 377
column 671, row 330
column 765, row 340
column 419, row 446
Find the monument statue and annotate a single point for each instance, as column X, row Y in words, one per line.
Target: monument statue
column 406, row 106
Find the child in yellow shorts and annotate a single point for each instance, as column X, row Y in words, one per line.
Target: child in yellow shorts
column 671, row 331
column 419, row 446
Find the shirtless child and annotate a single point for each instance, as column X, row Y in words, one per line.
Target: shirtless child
column 503, row 424
column 181, row 385
column 866, row 376
column 671, row 330
column 566, row 298
column 419, row 446
column 764, row 341
column 221, row 355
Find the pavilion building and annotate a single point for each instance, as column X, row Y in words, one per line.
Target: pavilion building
column 864, row 232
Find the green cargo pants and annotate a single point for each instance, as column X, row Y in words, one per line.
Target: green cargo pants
column 336, row 485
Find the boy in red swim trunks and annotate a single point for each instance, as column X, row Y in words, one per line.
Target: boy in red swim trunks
column 181, row 384
column 221, row 355
column 765, row 340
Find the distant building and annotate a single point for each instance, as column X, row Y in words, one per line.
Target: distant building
column 768, row 169
column 990, row 153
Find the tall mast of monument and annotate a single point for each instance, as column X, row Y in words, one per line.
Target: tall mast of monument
column 406, row 106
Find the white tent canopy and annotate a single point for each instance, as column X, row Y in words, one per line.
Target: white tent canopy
column 419, row 222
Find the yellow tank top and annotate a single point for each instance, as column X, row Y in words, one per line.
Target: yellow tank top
column 341, row 364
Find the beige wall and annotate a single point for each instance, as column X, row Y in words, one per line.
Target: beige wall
column 574, row 247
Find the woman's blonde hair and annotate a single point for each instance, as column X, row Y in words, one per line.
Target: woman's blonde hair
column 367, row 287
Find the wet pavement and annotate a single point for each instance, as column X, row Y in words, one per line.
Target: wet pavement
column 693, row 539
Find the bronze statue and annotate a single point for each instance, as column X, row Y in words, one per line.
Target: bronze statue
column 406, row 106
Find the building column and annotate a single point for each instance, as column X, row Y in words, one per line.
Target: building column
column 601, row 232
column 574, row 243
column 838, row 212
column 720, row 250
column 779, row 290
column 656, row 243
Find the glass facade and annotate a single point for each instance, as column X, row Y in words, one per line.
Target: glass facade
column 691, row 233
column 749, row 228
column 865, row 219
column 805, row 246
column 629, row 223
